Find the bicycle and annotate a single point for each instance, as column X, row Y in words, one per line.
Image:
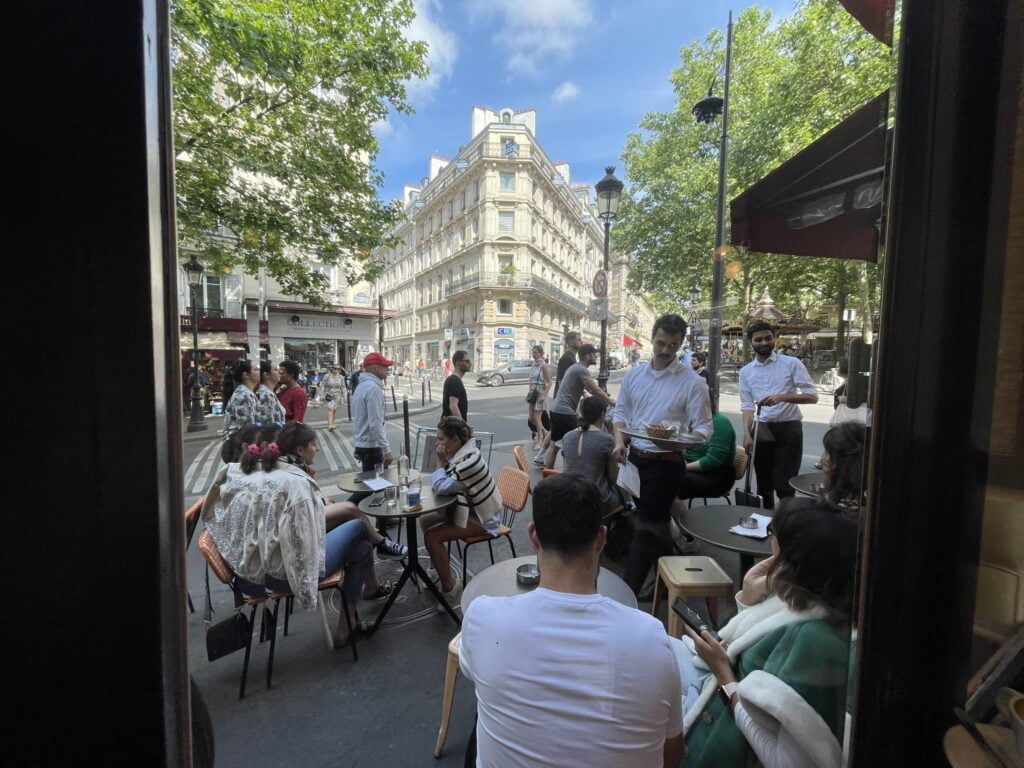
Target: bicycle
column 830, row 380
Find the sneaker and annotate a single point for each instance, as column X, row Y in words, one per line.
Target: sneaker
column 390, row 550
column 452, row 597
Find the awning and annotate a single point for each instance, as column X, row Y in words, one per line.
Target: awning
column 874, row 15
column 826, row 200
column 629, row 341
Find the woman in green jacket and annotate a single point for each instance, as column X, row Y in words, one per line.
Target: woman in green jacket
column 772, row 689
column 709, row 467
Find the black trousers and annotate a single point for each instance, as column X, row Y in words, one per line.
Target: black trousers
column 369, row 457
column 659, row 486
column 707, row 485
column 778, row 460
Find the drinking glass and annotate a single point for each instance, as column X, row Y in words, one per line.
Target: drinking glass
column 378, row 468
column 391, row 495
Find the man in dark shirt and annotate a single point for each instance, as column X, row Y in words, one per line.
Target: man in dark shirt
column 292, row 395
column 568, row 358
column 454, row 401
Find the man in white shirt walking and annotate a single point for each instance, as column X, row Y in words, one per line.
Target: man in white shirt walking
column 369, row 430
column 563, row 675
column 778, row 383
column 662, row 390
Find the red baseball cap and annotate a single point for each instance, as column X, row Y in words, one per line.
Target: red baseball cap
column 376, row 358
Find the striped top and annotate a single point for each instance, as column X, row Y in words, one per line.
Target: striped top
column 481, row 494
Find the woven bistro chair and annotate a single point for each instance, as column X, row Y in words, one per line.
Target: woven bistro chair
column 514, row 487
column 191, row 521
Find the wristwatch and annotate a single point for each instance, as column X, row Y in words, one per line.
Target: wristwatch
column 727, row 691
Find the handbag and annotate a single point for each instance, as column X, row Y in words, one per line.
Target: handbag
column 845, row 414
column 532, row 395
column 328, row 398
column 226, row 637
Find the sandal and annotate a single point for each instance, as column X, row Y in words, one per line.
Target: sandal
column 359, row 631
column 383, row 590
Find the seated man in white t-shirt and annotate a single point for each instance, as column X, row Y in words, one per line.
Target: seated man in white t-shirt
column 565, row 676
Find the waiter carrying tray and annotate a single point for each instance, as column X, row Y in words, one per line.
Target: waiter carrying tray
column 662, row 390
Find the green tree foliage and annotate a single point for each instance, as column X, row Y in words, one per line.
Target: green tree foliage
column 273, row 107
column 793, row 79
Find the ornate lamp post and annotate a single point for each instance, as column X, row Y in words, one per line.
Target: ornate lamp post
column 194, row 275
column 705, row 111
column 695, row 296
column 609, row 190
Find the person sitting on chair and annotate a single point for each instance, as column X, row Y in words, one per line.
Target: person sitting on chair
column 709, row 467
column 461, row 470
column 843, row 464
column 587, row 450
column 564, row 675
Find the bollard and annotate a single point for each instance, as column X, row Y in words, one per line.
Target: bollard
column 423, row 393
column 430, row 396
column 348, row 403
column 394, row 402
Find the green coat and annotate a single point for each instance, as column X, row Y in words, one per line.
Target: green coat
column 794, row 666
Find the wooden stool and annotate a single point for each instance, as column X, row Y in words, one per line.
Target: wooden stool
column 691, row 576
column 451, row 674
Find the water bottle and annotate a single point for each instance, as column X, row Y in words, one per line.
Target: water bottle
column 403, row 469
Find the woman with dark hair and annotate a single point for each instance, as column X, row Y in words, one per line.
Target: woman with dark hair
column 843, row 464
column 461, row 470
column 270, row 410
column 240, row 384
column 772, row 688
column 271, row 525
column 587, row 450
column 537, row 395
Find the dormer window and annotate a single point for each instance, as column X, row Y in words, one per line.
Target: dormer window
column 506, row 118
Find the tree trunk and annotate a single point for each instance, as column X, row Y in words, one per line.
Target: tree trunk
column 841, row 324
column 865, row 301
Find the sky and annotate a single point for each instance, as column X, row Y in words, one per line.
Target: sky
column 590, row 69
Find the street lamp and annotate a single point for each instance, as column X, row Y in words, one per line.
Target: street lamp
column 609, row 190
column 695, row 296
column 705, row 111
column 194, row 275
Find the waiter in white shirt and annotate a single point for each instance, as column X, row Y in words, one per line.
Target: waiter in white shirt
column 662, row 390
column 779, row 383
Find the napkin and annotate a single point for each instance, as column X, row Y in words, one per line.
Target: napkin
column 377, row 484
column 761, row 532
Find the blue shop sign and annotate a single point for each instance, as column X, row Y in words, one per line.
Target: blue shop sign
column 504, row 345
column 504, row 330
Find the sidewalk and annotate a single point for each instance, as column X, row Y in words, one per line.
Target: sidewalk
column 315, row 417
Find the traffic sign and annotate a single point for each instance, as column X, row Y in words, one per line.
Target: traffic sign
column 600, row 284
column 599, row 309
column 695, row 326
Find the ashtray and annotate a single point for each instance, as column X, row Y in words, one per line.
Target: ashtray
column 528, row 574
column 748, row 522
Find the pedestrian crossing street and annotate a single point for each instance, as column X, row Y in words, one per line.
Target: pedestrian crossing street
column 336, row 454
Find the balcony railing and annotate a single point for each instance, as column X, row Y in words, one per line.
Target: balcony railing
column 502, row 280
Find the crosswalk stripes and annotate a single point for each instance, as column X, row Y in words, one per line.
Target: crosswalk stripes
column 337, row 449
column 203, row 468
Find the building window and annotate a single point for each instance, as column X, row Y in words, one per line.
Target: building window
column 211, row 296
column 476, row 190
column 451, row 209
column 506, row 222
column 508, row 182
column 509, row 148
column 504, row 306
column 462, row 197
column 506, row 118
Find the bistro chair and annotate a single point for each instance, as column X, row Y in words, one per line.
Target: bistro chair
column 268, row 623
column 514, row 487
column 451, row 675
column 191, row 521
column 739, row 466
column 520, row 456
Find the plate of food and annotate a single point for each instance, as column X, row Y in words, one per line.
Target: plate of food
column 666, row 435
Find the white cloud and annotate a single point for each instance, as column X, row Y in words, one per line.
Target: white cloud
column 537, row 31
column 443, row 50
column 567, row 91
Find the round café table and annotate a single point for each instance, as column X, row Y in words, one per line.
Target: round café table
column 429, row 502
column 352, row 481
column 712, row 524
column 499, row 580
column 809, row 484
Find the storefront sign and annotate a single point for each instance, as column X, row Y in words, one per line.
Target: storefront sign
column 447, row 334
column 361, row 298
column 504, row 330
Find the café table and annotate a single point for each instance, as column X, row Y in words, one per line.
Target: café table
column 429, row 502
column 809, row 484
column 352, row 481
column 712, row 523
column 499, row 580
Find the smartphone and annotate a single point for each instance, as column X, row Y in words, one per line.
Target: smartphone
column 376, row 500
column 692, row 618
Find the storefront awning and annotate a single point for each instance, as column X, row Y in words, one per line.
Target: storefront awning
column 874, row 15
column 629, row 341
column 825, row 201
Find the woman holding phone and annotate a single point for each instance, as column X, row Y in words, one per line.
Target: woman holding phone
column 772, row 687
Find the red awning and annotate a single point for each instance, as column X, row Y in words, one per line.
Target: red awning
column 629, row 341
column 824, row 201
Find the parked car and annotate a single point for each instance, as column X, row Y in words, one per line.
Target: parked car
column 516, row 371
column 614, row 361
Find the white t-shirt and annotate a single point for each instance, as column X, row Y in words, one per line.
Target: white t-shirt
column 565, row 679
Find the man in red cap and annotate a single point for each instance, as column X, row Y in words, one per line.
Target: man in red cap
column 369, row 432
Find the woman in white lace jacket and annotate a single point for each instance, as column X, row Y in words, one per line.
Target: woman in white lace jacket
column 271, row 527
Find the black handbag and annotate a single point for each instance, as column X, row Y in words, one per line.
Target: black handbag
column 226, row 637
column 532, row 396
